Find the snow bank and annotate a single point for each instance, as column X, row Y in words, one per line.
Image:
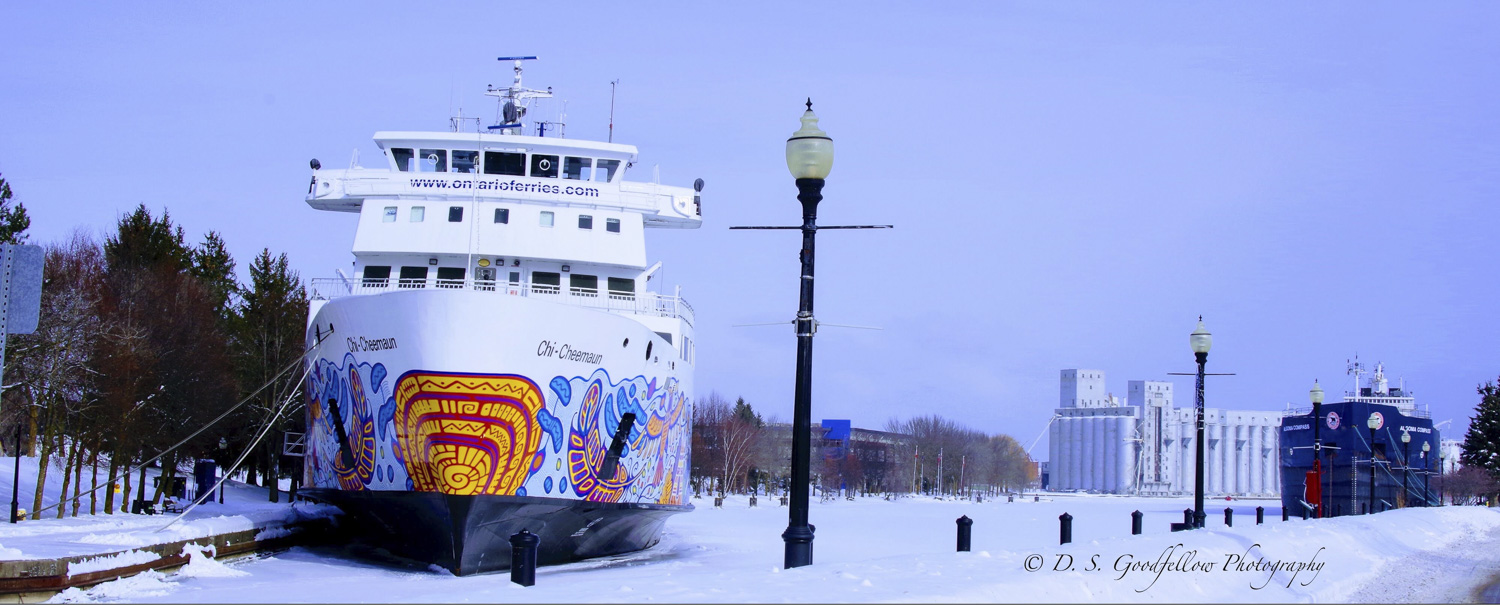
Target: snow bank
column 201, row 564
column 115, row 561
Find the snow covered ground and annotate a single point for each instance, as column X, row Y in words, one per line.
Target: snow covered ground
column 874, row 550
column 245, row 507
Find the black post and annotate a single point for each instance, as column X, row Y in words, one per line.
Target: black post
column 1317, row 421
column 1283, row 513
column 1372, row 470
column 1260, row 515
column 965, row 524
column 1198, row 515
column 1405, row 469
column 1187, row 517
column 1228, row 517
column 523, row 558
column 1426, row 483
column 1304, row 513
column 798, row 536
column 1135, row 523
column 1066, row 531
column 15, row 481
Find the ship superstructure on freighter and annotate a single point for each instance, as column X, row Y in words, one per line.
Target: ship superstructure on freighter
column 496, row 360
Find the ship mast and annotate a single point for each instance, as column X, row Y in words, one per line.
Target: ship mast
column 514, row 100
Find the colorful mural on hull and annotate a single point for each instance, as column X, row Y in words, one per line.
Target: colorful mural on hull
column 497, row 434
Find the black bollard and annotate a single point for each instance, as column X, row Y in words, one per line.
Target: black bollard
column 523, row 558
column 1304, row 513
column 719, row 502
column 1228, row 517
column 1135, row 523
column 965, row 524
column 1010, row 498
column 1260, row 515
column 1284, row 512
column 752, row 501
column 1036, row 498
column 1066, row 531
column 1187, row 516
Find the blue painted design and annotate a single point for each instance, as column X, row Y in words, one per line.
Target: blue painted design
column 387, row 416
column 547, row 485
column 379, row 473
column 553, row 428
column 632, row 389
column 521, row 491
column 563, row 389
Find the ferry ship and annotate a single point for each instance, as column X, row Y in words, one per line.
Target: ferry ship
column 1328, row 451
column 496, row 360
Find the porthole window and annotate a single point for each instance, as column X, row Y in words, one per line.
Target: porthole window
column 546, row 218
column 612, row 225
column 502, row 215
column 418, row 213
column 455, row 214
column 389, row 216
column 585, row 221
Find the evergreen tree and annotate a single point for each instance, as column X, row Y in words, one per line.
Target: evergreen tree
column 13, row 221
column 214, row 268
column 1482, row 442
column 143, row 241
column 269, row 334
column 744, row 412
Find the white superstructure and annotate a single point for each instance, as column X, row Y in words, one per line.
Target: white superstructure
column 1146, row 445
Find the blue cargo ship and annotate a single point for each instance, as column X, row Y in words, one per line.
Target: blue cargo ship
column 1332, row 453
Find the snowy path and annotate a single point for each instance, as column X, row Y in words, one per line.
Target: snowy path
column 871, row 550
column 1455, row 574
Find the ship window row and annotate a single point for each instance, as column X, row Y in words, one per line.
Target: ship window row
column 503, row 163
column 542, row 282
column 502, row 217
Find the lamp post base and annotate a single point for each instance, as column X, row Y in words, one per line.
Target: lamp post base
column 1199, row 518
column 798, row 546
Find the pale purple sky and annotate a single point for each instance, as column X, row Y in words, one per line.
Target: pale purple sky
column 1072, row 184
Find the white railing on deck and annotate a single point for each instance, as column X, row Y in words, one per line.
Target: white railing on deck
column 641, row 303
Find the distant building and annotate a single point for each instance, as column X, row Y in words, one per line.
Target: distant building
column 1448, row 451
column 1146, row 445
column 839, row 446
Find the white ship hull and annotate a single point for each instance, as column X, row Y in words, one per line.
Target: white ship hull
column 511, row 400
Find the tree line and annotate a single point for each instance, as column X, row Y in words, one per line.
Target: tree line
column 735, row 450
column 144, row 339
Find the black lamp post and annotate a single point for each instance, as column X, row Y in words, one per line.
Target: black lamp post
column 1374, row 423
column 1316, row 395
column 1426, row 471
column 1405, row 464
column 809, row 156
column 1200, row 340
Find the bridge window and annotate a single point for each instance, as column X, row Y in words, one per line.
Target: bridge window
column 604, row 170
column 546, row 282
column 465, row 161
column 418, row 213
column 403, row 157
column 413, row 277
column 455, row 214
column 544, row 166
column 502, row 215
column 578, row 169
column 509, row 164
column 450, row 277
column 433, row 160
column 621, row 287
column 376, row 277
column 389, row 215
column 546, row 218
column 587, row 285
column 585, row 221
column 612, row 225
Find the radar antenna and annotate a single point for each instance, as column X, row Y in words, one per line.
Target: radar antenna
column 1355, row 369
column 514, row 100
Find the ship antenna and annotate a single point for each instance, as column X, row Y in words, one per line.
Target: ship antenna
column 612, row 84
column 514, row 100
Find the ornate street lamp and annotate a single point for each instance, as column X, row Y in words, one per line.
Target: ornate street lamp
column 1316, row 395
column 809, row 156
column 1426, row 471
column 1374, row 423
column 1200, row 340
column 1405, row 463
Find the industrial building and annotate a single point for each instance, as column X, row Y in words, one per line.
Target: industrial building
column 1146, row 445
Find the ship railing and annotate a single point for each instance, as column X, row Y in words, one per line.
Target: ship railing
column 639, row 303
column 1307, row 411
